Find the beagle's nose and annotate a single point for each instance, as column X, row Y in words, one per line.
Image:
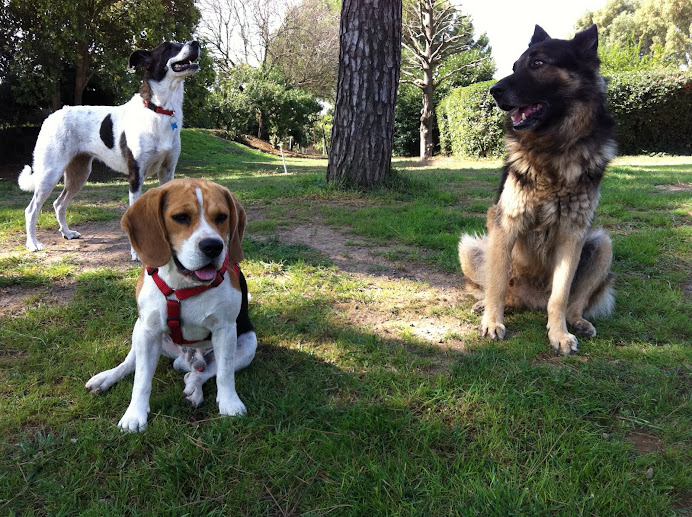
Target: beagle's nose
column 211, row 247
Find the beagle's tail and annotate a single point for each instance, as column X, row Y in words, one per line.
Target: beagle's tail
column 26, row 179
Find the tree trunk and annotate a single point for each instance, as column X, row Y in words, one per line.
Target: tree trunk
column 369, row 57
column 426, row 113
column 82, row 73
column 426, row 122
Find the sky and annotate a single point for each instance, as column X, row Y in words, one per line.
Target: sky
column 509, row 24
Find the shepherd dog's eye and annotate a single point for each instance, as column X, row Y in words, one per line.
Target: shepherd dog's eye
column 221, row 218
column 537, row 63
column 181, row 218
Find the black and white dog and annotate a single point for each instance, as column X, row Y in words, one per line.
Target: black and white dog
column 138, row 138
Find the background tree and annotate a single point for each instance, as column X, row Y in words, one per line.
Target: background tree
column 369, row 61
column 306, row 49
column 259, row 101
column 434, row 31
column 662, row 29
column 59, row 47
column 408, row 105
column 241, row 31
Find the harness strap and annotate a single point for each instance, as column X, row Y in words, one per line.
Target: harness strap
column 173, row 305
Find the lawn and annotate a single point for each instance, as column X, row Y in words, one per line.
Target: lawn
column 371, row 392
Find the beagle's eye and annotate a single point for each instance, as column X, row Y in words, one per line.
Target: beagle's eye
column 221, row 218
column 181, row 218
column 537, row 63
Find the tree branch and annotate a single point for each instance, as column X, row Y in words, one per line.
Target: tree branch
column 459, row 69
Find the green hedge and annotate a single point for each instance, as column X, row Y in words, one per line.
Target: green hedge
column 470, row 123
column 653, row 111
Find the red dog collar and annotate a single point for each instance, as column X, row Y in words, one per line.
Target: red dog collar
column 157, row 109
column 173, row 305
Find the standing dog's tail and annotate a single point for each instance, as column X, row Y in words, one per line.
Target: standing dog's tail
column 26, row 179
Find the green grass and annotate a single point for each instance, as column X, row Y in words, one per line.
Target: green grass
column 343, row 417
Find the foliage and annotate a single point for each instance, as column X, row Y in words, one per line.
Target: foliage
column 89, row 46
column 406, row 121
column 652, row 110
column 627, row 56
column 306, row 47
column 656, row 27
column 408, row 103
column 437, row 48
column 259, row 101
column 471, row 123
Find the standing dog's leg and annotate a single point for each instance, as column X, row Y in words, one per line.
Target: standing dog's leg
column 167, row 169
column 567, row 256
column 224, row 342
column 76, row 174
column 147, row 347
column 46, row 179
column 137, row 173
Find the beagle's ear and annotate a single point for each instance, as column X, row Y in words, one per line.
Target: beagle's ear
column 144, row 225
column 237, row 229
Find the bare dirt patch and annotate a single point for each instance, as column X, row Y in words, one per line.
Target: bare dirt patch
column 16, row 300
column 687, row 291
column 677, row 187
column 644, row 443
column 366, row 260
column 411, row 314
column 102, row 244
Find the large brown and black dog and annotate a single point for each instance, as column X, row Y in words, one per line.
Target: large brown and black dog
column 540, row 251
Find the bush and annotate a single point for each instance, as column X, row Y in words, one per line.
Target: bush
column 651, row 108
column 470, row 123
column 260, row 102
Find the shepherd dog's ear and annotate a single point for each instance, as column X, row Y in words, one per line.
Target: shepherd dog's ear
column 587, row 41
column 539, row 35
column 144, row 225
column 140, row 58
column 237, row 229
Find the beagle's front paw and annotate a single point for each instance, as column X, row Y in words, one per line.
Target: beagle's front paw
column 101, row 381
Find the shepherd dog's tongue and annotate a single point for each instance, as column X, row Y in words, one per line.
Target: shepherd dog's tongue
column 206, row 273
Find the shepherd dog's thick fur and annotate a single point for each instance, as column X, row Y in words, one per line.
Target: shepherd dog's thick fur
column 541, row 251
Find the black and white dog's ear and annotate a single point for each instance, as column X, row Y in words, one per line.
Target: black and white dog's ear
column 141, row 58
column 538, row 35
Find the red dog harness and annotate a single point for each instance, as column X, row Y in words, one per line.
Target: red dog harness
column 173, row 304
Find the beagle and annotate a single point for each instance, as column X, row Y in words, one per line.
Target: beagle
column 190, row 294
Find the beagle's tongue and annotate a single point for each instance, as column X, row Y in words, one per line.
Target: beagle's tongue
column 206, row 273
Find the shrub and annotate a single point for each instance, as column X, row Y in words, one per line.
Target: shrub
column 470, row 123
column 652, row 110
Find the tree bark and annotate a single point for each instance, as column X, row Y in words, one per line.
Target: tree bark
column 82, row 73
column 369, row 58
